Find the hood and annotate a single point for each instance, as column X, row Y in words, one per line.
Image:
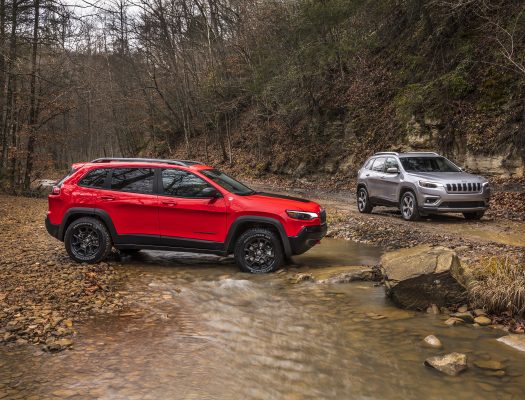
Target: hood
column 287, row 202
column 448, row 176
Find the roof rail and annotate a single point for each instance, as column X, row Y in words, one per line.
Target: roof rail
column 184, row 163
column 392, row 153
column 422, row 152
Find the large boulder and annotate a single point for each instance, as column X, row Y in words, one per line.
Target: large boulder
column 420, row 276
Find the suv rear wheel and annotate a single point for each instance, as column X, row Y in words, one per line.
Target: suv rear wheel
column 474, row 215
column 259, row 251
column 87, row 240
column 408, row 206
column 363, row 201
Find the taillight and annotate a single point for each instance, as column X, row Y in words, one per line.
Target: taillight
column 56, row 190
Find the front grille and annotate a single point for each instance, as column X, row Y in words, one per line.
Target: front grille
column 464, row 187
column 323, row 216
column 462, row 204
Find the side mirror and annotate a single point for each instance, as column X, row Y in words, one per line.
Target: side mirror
column 210, row 192
column 392, row 170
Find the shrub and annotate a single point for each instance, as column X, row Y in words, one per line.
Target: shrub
column 499, row 286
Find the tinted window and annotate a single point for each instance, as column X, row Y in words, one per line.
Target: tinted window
column 428, row 164
column 368, row 164
column 379, row 164
column 134, row 180
column 227, row 182
column 391, row 163
column 179, row 183
column 94, row 178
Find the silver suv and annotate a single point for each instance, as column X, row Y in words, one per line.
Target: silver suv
column 420, row 184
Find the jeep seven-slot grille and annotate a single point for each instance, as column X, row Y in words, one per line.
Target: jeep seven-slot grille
column 465, row 187
column 323, row 216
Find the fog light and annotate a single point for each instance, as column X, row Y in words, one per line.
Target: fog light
column 431, row 200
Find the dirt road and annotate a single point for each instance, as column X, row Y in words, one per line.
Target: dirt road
column 472, row 239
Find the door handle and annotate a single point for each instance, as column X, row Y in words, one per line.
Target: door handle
column 169, row 203
column 367, row 175
column 108, row 198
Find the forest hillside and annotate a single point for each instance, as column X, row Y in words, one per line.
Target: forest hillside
column 298, row 88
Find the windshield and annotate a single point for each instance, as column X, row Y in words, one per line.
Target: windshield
column 227, row 182
column 428, row 164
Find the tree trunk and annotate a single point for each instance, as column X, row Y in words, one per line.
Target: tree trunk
column 33, row 111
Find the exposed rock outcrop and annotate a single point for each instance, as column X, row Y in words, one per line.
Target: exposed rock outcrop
column 420, row 276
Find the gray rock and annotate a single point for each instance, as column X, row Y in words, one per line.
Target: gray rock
column 419, row 276
column 492, row 365
column 451, row 364
column 454, row 321
column 433, row 341
column 465, row 316
column 515, row 341
column 483, row 320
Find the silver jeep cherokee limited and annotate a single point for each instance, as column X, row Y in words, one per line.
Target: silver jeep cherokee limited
column 420, row 184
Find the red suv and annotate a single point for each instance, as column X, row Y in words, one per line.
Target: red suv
column 134, row 203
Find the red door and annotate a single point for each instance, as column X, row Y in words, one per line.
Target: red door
column 131, row 203
column 185, row 213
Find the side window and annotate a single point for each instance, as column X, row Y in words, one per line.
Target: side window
column 179, row 183
column 368, row 164
column 379, row 164
column 391, row 163
column 94, row 178
column 133, row 180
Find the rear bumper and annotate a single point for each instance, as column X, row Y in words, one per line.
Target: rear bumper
column 52, row 229
column 307, row 238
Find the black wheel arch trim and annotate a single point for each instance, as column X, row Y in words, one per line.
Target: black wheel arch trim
column 84, row 211
column 237, row 225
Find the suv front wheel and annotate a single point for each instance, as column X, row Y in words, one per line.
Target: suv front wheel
column 363, row 201
column 408, row 206
column 259, row 251
column 87, row 240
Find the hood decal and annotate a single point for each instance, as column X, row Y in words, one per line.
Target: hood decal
column 280, row 196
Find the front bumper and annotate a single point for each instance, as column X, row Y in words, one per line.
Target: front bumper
column 440, row 201
column 307, row 238
column 52, row 229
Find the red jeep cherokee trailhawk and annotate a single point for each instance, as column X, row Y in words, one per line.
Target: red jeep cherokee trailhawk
column 134, row 204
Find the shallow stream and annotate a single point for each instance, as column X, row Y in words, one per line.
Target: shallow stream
column 196, row 328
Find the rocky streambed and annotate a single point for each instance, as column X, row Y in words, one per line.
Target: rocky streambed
column 160, row 325
column 43, row 295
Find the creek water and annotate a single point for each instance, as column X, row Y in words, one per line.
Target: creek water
column 196, row 328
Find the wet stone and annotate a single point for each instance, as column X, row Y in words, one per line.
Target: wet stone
column 454, row 321
column 465, row 316
column 489, row 364
column 482, row 320
column 432, row 341
column 451, row 364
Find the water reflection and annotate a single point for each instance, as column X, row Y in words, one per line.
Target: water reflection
column 203, row 330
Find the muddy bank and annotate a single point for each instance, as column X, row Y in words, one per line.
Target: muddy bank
column 43, row 295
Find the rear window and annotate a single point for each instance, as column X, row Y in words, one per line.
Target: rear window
column 94, row 178
column 61, row 181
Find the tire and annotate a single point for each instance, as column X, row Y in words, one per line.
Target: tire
column 363, row 201
column 257, row 240
column 409, row 208
column 474, row 216
column 87, row 240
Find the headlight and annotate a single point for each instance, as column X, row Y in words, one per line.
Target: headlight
column 430, row 185
column 303, row 215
